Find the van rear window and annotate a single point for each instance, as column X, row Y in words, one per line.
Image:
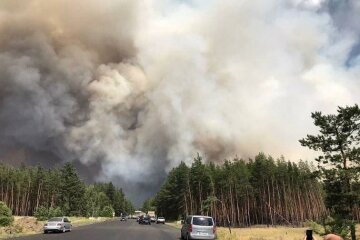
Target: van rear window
column 202, row 221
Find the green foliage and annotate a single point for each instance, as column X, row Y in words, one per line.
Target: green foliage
column 338, row 226
column 259, row 191
column 148, row 205
column 339, row 163
column 316, row 227
column 41, row 213
column 72, row 191
column 169, row 201
column 60, row 188
column 6, row 217
column 55, row 212
column 107, row 211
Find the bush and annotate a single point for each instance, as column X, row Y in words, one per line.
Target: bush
column 107, row 211
column 41, row 213
column 6, row 217
column 55, row 212
column 316, row 227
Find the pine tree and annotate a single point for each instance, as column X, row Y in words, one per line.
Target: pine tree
column 339, row 162
column 72, row 190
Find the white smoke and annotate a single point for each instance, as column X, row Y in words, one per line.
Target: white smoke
column 139, row 86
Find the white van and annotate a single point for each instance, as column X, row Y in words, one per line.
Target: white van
column 198, row 227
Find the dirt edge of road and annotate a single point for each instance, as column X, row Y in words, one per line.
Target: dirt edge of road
column 24, row 226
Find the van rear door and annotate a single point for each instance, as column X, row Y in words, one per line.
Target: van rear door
column 203, row 226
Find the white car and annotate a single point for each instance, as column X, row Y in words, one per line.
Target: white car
column 160, row 220
column 57, row 224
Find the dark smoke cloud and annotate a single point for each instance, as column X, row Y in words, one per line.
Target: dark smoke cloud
column 128, row 89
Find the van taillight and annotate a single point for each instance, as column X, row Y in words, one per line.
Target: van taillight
column 190, row 228
column 214, row 229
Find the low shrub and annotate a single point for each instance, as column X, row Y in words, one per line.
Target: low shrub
column 107, row 211
column 55, row 212
column 316, row 227
column 43, row 213
column 6, row 217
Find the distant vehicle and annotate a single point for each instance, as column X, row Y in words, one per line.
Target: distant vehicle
column 123, row 218
column 137, row 214
column 198, row 227
column 145, row 220
column 152, row 215
column 160, row 220
column 57, row 224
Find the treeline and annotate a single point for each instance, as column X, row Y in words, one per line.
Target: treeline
column 26, row 189
column 242, row 193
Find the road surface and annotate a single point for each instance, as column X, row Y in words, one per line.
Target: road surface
column 113, row 230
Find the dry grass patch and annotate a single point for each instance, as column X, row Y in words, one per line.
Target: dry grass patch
column 263, row 233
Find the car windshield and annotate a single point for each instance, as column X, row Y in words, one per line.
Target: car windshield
column 55, row 220
column 202, row 221
column 160, row 218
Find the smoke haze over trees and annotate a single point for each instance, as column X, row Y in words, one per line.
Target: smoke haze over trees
column 131, row 88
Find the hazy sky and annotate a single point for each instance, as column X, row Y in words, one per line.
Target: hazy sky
column 129, row 88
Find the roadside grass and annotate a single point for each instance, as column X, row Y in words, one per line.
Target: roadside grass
column 80, row 221
column 265, row 233
column 262, row 233
column 23, row 226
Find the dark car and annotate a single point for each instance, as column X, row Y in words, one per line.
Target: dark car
column 145, row 220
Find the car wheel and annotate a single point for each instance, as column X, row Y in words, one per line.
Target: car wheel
column 45, row 232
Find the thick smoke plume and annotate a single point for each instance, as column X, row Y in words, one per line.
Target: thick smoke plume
column 131, row 88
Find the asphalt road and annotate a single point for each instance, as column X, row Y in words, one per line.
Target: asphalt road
column 113, row 230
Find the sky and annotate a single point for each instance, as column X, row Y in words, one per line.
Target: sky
column 128, row 89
